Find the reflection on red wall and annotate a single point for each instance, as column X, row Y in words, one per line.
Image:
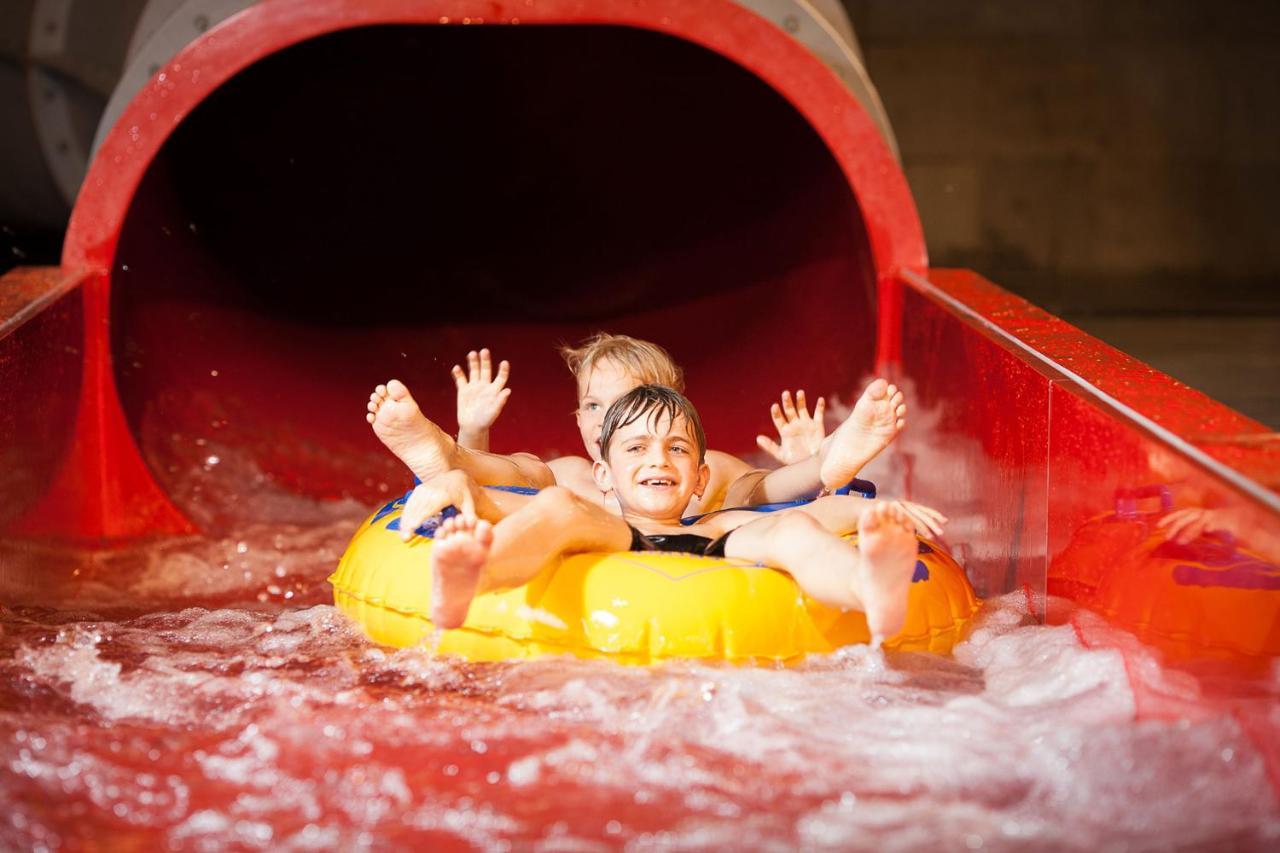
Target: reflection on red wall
column 1157, row 543
column 1139, row 519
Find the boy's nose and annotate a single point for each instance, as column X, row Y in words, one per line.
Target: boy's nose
column 658, row 456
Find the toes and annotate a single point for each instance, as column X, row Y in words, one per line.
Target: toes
column 484, row 533
column 877, row 390
column 380, row 391
column 396, row 389
column 370, row 418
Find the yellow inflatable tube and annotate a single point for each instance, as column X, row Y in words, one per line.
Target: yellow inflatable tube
column 632, row 607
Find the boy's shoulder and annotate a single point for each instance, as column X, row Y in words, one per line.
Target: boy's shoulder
column 570, row 467
column 727, row 465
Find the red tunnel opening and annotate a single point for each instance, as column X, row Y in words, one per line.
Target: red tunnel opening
column 376, row 201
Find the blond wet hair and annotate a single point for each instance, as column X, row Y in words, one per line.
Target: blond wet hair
column 649, row 363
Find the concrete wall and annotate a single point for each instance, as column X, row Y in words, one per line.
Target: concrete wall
column 1095, row 156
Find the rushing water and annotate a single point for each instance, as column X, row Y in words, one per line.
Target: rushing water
column 204, row 694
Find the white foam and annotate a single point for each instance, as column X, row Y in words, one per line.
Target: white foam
column 269, row 724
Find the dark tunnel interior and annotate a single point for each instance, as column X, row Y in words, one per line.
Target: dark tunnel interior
column 375, row 202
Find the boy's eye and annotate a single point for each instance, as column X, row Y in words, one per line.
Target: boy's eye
column 632, row 448
column 679, row 448
column 591, row 407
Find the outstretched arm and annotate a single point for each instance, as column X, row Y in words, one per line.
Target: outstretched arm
column 481, row 396
column 838, row 514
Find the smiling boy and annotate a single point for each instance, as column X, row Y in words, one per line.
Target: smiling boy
column 654, row 463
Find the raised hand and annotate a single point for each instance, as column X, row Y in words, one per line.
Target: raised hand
column 801, row 434
column 481, row 396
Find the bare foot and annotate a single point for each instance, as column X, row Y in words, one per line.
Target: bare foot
column 421, row 445
column 457, row 558
column 887, row 551
column 878, row 417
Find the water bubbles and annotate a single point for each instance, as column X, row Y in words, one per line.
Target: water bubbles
column 279, row 726
column 524, row 771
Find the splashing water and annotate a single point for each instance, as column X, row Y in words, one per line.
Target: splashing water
column 204, row 693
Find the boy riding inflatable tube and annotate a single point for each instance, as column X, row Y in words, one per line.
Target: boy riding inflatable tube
column 633, row 607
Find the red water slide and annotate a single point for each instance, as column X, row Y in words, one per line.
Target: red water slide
column 317, row 195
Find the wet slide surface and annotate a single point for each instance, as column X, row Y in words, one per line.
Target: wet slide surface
column 204, row 693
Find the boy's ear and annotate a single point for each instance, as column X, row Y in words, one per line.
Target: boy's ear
column 603, row 476
column 704, row 479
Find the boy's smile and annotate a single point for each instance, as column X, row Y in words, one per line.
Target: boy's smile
column 653, row 468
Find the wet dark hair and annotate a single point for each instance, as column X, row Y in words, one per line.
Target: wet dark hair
column 653, row 401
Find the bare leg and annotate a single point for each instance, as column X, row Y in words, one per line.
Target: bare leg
column 457, row 557
column 428, row 450
column 878, row 417
column 553, row 524
column 873, row 576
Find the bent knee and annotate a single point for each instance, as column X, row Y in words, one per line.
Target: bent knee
column 535, row 472
column 796, row 524
column 556, row 499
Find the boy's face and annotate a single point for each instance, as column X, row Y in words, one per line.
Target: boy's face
column 653, row 468
column 605, row 382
